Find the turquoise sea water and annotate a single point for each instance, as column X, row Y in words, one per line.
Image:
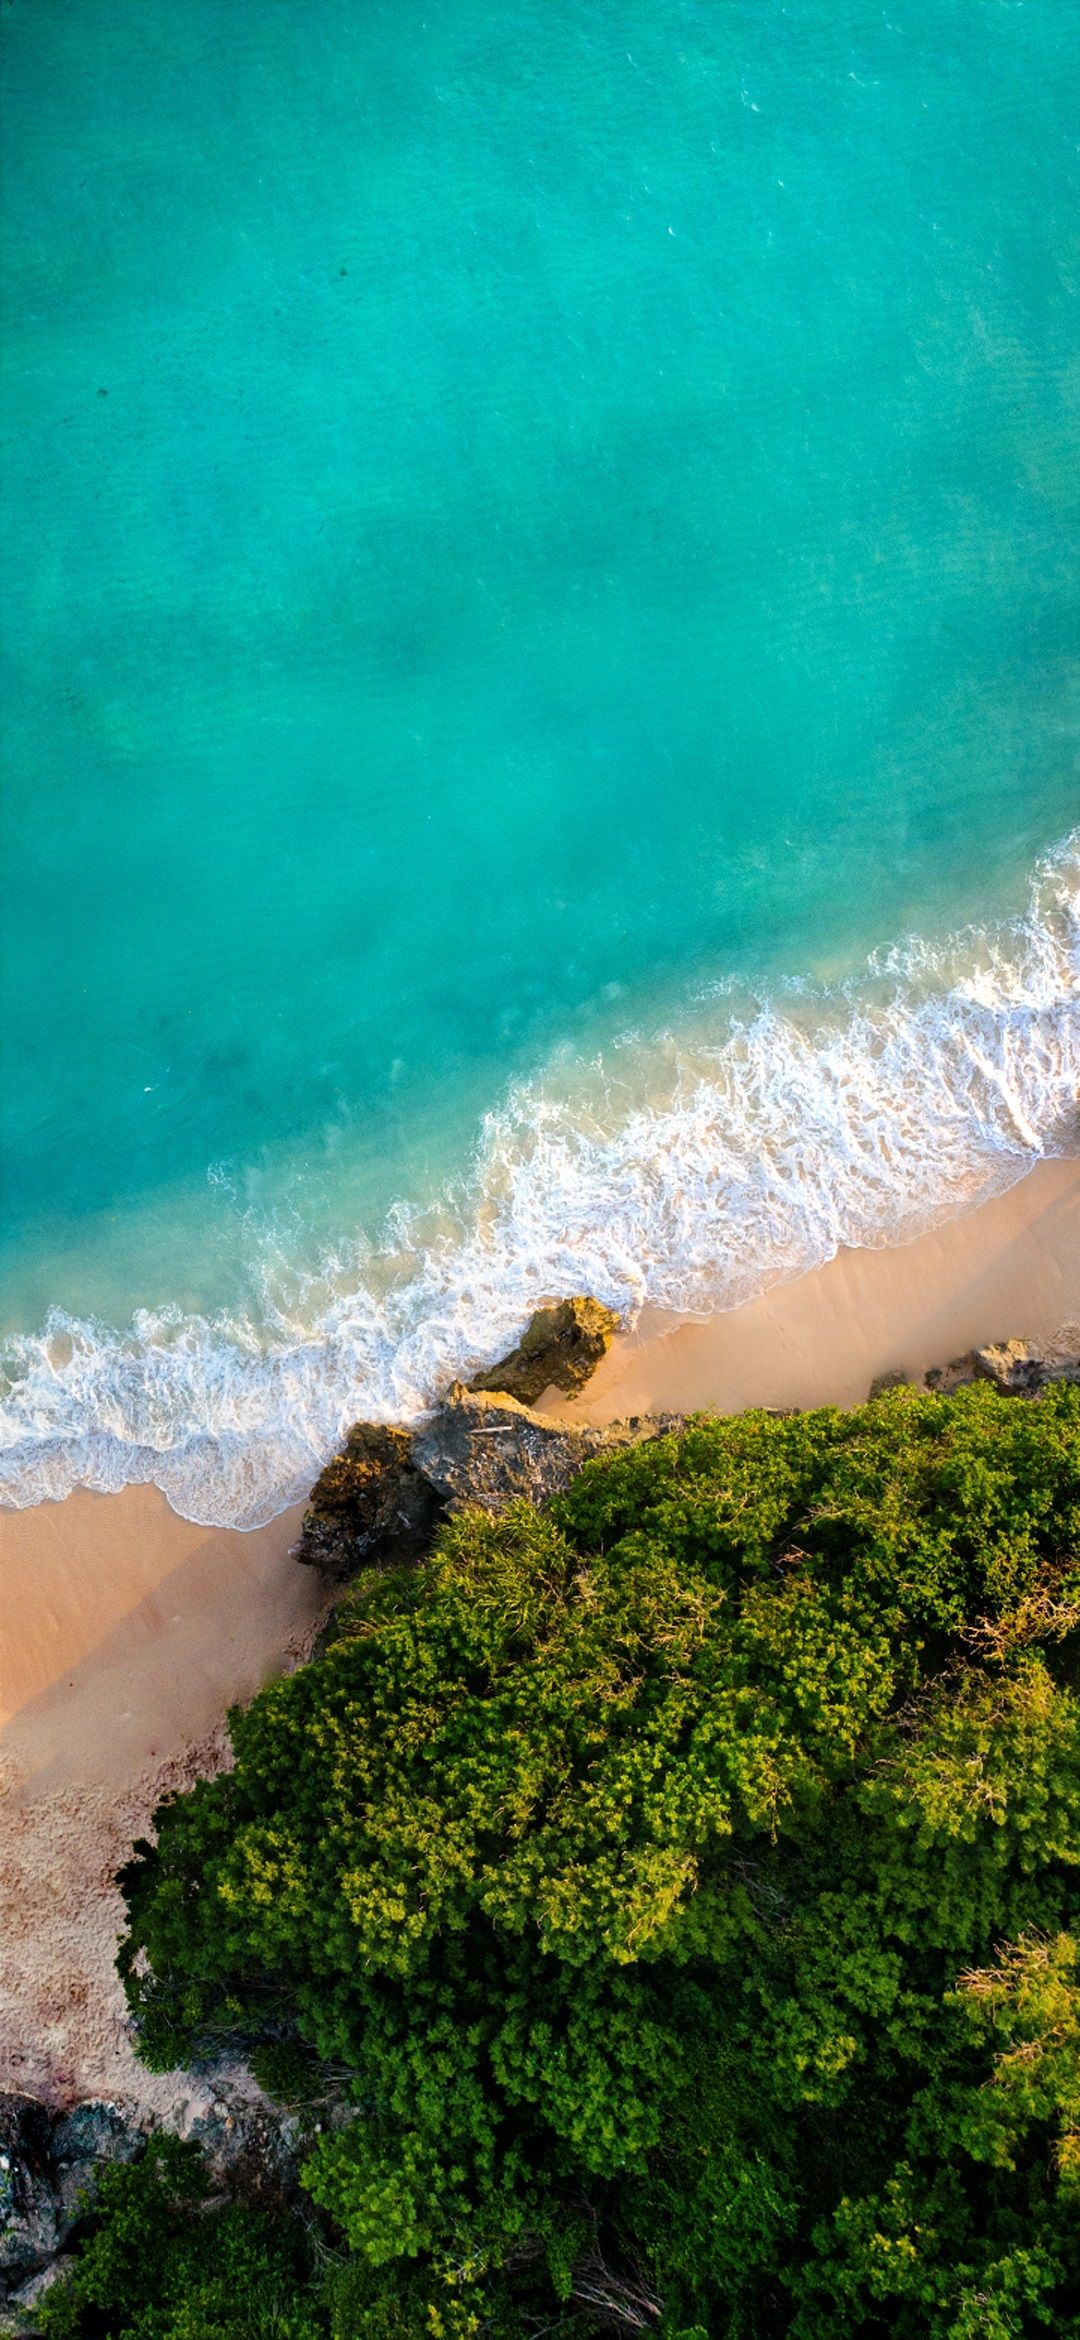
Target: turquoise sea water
column 539, row 537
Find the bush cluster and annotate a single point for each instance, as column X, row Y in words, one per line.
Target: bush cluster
column 683, row 1886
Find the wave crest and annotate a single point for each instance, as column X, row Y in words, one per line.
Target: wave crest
column 725, row 1156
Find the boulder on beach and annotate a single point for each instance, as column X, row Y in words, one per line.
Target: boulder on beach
column 370, row 1503
column 485, row 1449
column 1017, row 1368
column 561, row 1345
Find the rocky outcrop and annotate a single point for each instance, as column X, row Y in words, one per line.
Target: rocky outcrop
column 382, row 1497
column 1017, row 1368
column 29, row 2225
column 559, row 1348
column 51, row 2164
column 485, row 1449
column 371, row 1503
column 49, row 2171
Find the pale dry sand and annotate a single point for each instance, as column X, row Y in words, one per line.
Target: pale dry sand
column 1010, row 1267
column 126, row 1632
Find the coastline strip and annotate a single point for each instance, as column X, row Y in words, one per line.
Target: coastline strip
column 1011, row 1267
column 129, row 1631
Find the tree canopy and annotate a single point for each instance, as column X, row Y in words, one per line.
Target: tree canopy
column 681, row 1888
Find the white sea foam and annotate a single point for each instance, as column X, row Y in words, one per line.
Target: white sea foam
column 730, row 1154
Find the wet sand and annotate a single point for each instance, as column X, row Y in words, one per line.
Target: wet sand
column 1010, row 1267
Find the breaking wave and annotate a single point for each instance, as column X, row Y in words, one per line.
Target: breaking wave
column 692, row 1170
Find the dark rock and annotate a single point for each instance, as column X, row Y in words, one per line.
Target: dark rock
column 29, row 2223
column 94, row 2131
column 31, row 2293
column 25, row 2127
column 252, row 2151
column 486, row 1450
column 559, row 1348
column 49, row 2171
column 370, row 1503
column 82, row 2143
column 896, row 1378
column 956, row 1375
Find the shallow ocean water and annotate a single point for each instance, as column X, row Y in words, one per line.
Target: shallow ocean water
column 531, row 532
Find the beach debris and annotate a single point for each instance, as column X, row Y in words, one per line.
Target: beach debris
column 562, row 1344
column 370, row 1503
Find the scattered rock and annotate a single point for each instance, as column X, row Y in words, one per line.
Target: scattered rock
column 251, row 2151
column 956, row 1375
column 370, row 1503
column 383, row 1496
column 51, row 2166
column 94, row 2131
column 559, row 1348
column 486, row 1450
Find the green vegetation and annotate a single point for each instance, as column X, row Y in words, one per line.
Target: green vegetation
column 160, row 2265
column 684, row 1887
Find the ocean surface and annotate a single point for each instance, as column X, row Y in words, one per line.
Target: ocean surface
column 541, row 676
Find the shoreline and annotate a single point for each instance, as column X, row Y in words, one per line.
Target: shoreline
column 1010, row 1266
column 134, row 1632
column 134, row 1629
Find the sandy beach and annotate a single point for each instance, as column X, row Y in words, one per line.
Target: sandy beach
column 1010, row 1267
column 128, row 1632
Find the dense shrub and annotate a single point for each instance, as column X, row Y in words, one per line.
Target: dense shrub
column 686, row 1882
column 161, row 2264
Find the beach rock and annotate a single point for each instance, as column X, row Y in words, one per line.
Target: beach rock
column 957, row 1374
column 369, row 1504
column 896, row 1378
column 81, row 2144
column 96, row 2130
column 486, row 1449
column 31, row 2293
column 1017, row 1368
column 49, row 2171
column 559, row 1348
column 29, row 2224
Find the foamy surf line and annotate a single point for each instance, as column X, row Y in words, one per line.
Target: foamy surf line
column 859, row 1116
